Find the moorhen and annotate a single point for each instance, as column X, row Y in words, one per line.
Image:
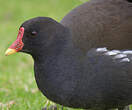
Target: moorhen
column 84, row 61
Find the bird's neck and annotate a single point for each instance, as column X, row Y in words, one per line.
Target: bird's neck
column 56, row 66
column 60, row 49
column 61, row 53
column 60, row 46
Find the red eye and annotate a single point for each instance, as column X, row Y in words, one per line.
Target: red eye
column 34, row 33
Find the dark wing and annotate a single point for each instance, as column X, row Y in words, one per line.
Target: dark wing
column 111, row 75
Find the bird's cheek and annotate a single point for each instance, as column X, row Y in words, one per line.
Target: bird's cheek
column 17, row 45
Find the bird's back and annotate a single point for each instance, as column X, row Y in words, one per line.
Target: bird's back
column 101, row 23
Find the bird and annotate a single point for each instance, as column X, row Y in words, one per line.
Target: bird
column 85, row 60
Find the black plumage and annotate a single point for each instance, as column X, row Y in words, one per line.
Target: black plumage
column 85, row 61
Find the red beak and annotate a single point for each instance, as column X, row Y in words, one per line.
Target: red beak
column 17, row 45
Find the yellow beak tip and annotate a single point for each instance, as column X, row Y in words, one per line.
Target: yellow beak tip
column 10, row 51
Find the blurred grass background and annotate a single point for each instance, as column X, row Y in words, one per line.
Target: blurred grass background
column 18, row 90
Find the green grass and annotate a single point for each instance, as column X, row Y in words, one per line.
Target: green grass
column 18, row 90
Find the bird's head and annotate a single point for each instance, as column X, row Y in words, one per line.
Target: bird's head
column 35, row 35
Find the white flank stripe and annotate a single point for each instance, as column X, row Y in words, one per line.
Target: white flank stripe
column 101, row 49
column 127, row 52
column 125, row 60
column 110, row 53
column 120, row 56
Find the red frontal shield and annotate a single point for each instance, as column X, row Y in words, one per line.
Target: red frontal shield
column 18, row 44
